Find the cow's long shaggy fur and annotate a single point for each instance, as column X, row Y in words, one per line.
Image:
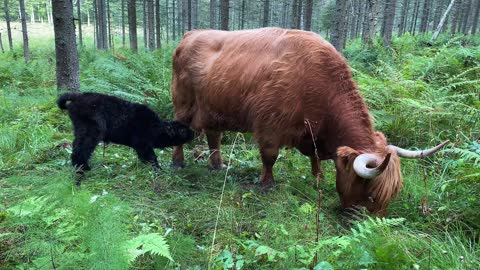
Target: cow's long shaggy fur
column 98, row 117
column 272, row 81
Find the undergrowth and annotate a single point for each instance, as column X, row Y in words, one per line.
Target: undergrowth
column 127, row 217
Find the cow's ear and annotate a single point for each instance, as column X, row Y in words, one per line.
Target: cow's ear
column 346, row 155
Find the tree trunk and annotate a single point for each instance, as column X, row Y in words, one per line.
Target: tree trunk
column 224, row 9
column 299, row 12
column 466, row 16
column 425, row 16
column 308, row 15
column 213, row 14
column 79, row 15
column 456, row 17
column 242, row 25
column 167, row 28
column 109, row 22
column 101, row 21
column 145, row 24
column 132, row 25
column 158, row 26
column 151, row 25
column 1, row 43
column 173, row 21
column 123, row 24
column 339, row 25
column 26, row 48
column 67, row 68
column 360, row 16
column 475, row 19
column 371, row 21
column 388, row 21
column 295, row 15
column 416, row 8
column 442, row 21
column 194, row 14
column 403, row 17
column 266, row 13
column 9, row 29
column 189, row 15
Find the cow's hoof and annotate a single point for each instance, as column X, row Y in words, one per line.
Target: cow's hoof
column 266, row 186
column 178, row 164
column 217, row 167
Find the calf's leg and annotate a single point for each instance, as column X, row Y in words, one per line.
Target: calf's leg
column 214, row 139
column 83, row 147
column 147, row 154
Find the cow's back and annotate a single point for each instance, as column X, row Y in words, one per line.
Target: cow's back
column 251, row 80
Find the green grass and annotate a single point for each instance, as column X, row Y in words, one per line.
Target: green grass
column 419, row 95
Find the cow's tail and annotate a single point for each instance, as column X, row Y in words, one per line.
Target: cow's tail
column 65, row 99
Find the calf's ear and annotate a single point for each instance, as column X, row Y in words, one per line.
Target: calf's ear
column 345, row 157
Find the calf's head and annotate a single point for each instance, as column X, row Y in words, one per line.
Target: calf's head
column 372, row 179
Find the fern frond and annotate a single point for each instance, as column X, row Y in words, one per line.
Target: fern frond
column 144, row 243
column 466, row 154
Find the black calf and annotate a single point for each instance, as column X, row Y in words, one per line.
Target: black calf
column 97, row 117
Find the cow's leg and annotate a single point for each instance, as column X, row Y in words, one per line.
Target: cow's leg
column 269, row 155
column 316, row 167
column 178, row 159
column 214, row 139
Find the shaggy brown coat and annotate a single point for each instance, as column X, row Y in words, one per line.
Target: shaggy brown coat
column 277, row 84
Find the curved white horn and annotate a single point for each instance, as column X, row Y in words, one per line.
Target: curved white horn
column 366, row 165
column 417, row 154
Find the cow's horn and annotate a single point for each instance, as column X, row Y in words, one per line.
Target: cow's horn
column 366, row 165
column 416, row 154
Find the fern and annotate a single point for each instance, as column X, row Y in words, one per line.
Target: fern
column 468, row 155
column 152, row 243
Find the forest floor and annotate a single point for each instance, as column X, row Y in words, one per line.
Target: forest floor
column 419, row 95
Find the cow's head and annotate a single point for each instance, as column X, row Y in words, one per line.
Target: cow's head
column 372, row 179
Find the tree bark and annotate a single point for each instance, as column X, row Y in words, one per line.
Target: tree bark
column 475, row 19
column 308, row 15
column 9, row 29
column 242, row 24
column 101, row 21
column 416, row 8
column 403, row 17
column 189, row 15
column 145, row 24
column 173, row 21
column 213, row 14
column 123, row 23
column 224, row 10
column 456, row 17
column 26, row 48
column 466, row 16
column 151, row 25
column 158, row 26
column 388, row 21
column 371, row 21
column 132, row 25
column 67, row 67
column 167, row 28
column 1, row 43
column 295, row 15
column 109, row 27
column 194, row 14
column 339, row 26
column 442, row 21
column 79, row 15
column 425, row 16
column 266, row 12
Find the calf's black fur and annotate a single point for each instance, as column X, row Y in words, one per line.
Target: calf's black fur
column 98, row 117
